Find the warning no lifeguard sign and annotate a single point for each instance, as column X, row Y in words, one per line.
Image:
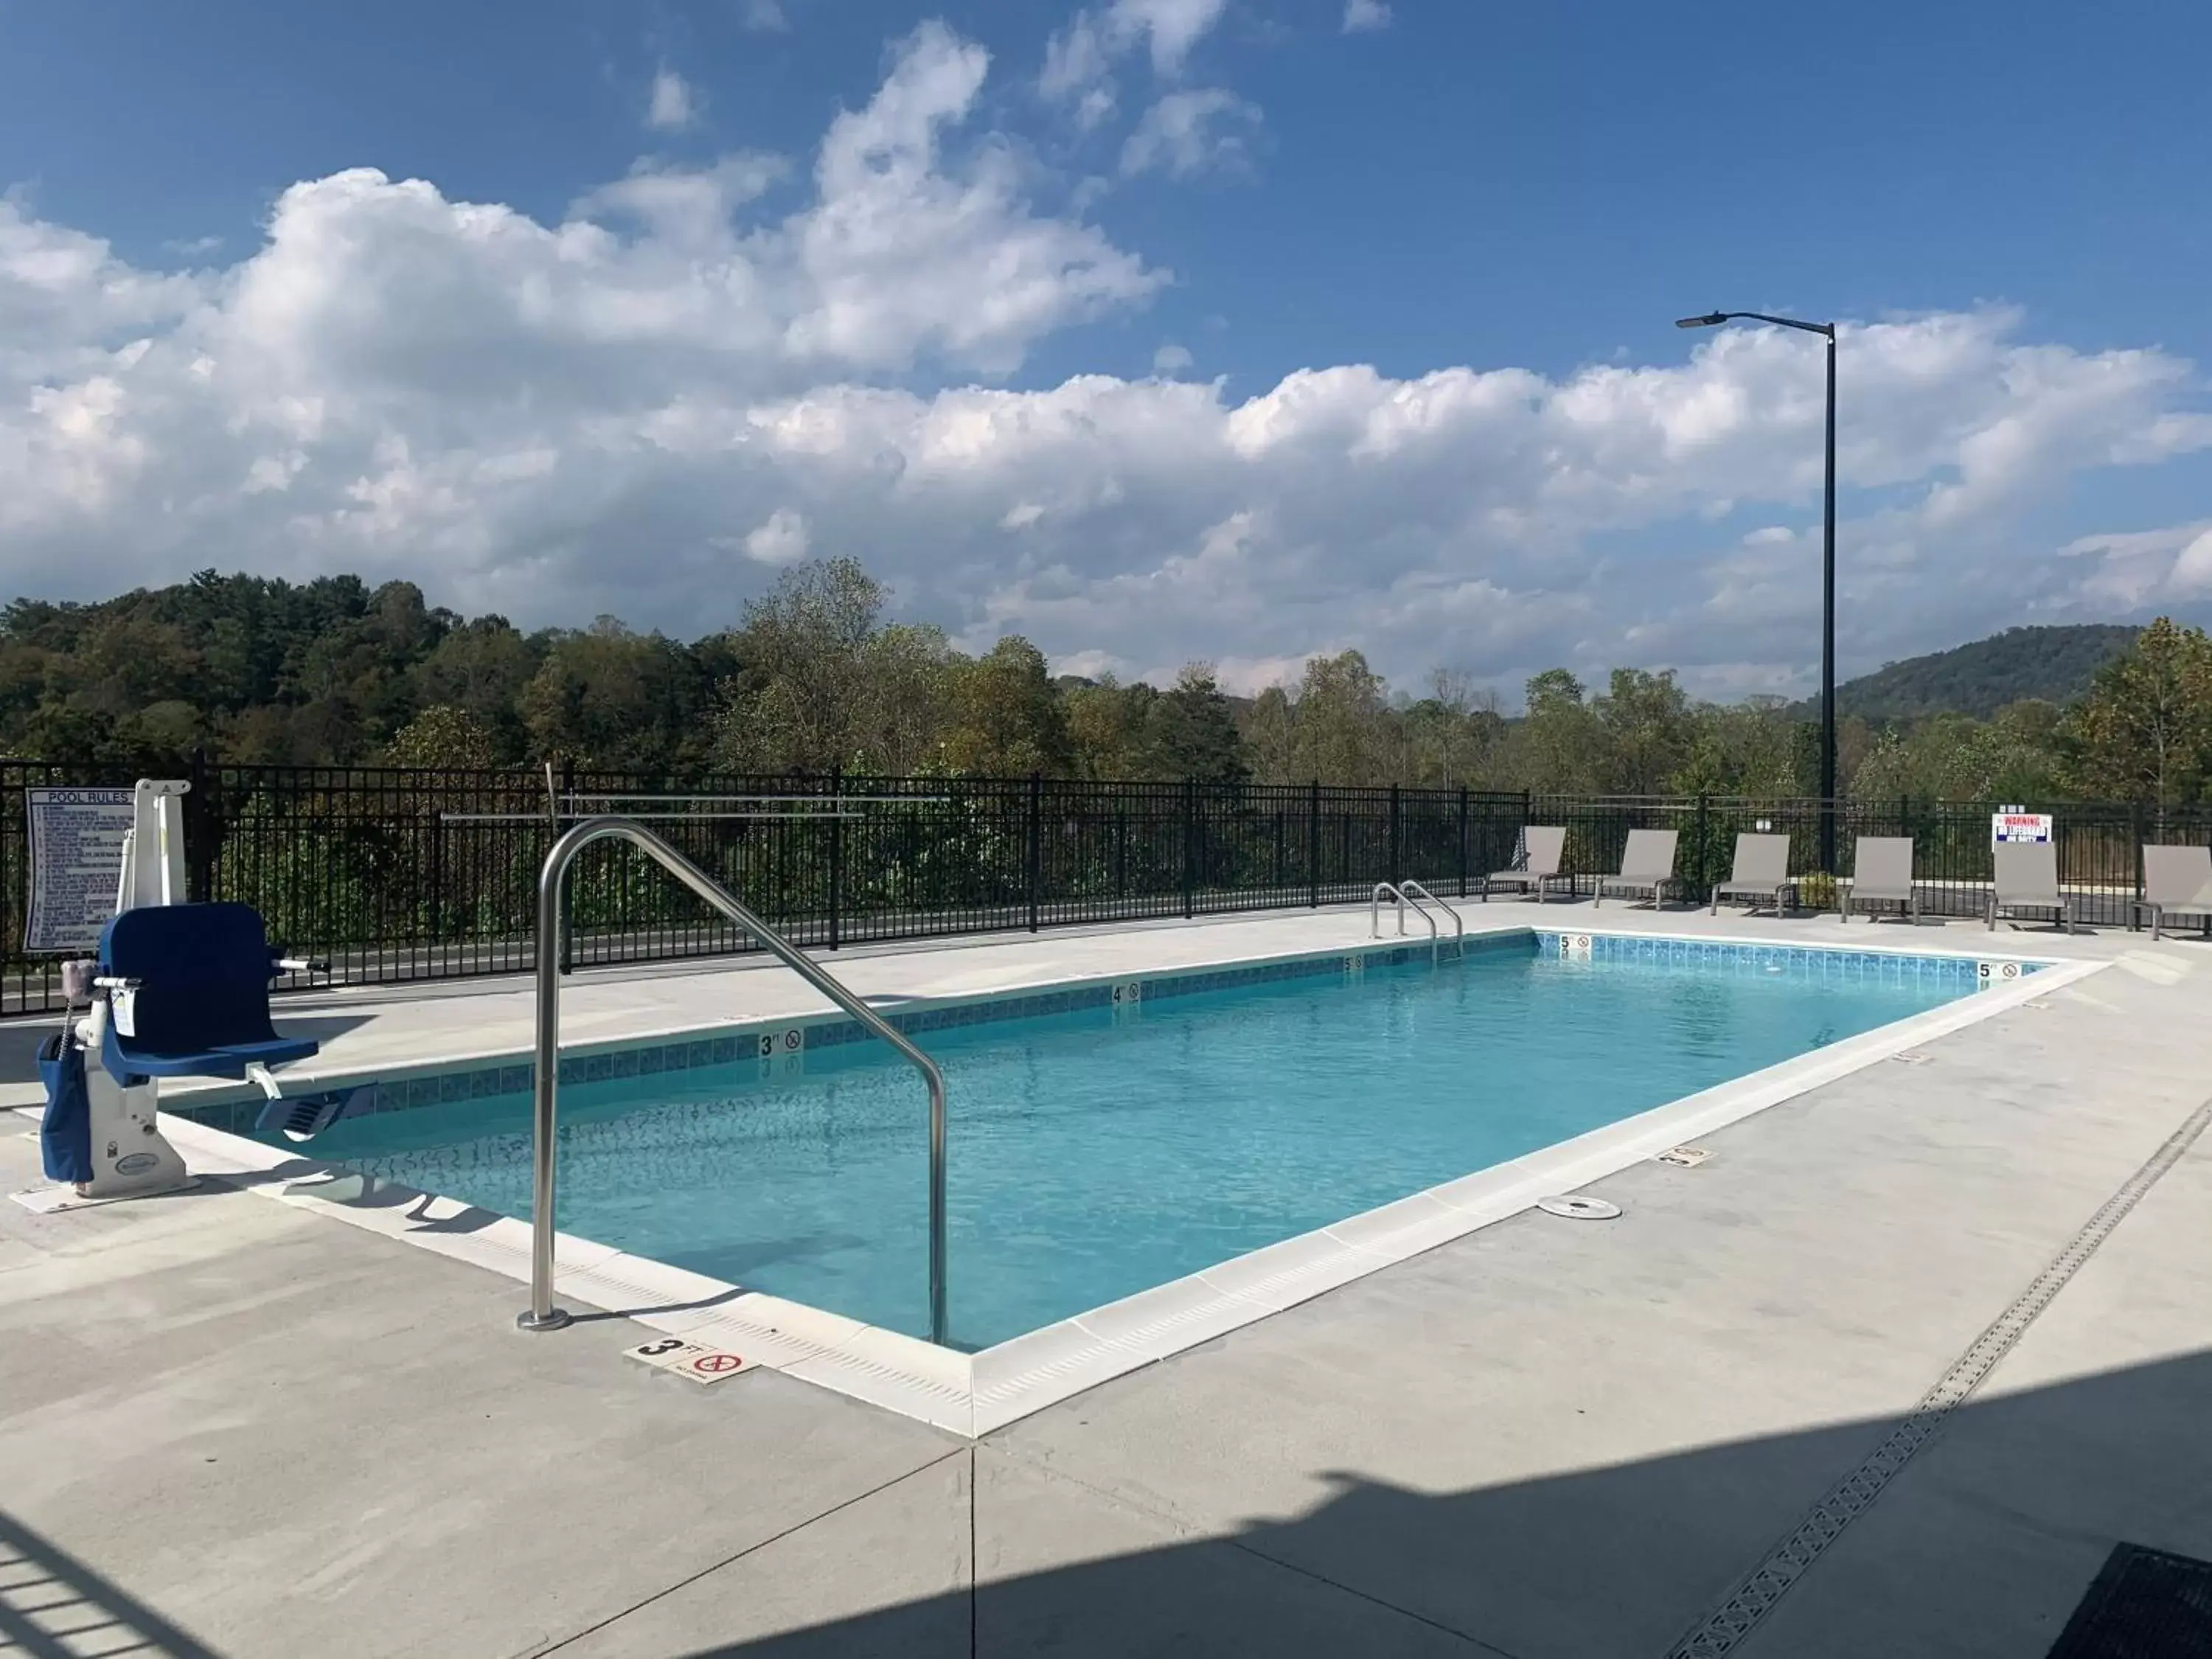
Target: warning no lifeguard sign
column 2020, row 826
column 692, row 1360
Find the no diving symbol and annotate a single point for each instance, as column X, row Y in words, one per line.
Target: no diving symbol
column 714, row 1363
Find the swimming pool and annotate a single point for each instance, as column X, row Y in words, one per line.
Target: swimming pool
column 1108, row 1139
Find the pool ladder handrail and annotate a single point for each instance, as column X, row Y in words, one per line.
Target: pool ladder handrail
column 543, row 1315
column 1404, row 895
column 1423, row 897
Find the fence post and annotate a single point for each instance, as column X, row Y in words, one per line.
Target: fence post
column 837, row 847
column 1313, row 845
column 200, row 825
column 1397, row 873
column 1036, row 841
column 2135, row 857
column 1703, row 885
column 437, row 866
column 1462, row 841
column 568, row 887
column 1189, row 847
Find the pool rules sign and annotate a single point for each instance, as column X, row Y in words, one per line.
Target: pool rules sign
column 77, row 861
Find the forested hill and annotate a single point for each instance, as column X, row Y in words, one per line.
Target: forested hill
column 814, row 675
column 2052, row 665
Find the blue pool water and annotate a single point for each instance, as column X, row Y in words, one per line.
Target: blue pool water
column 1097, row 1153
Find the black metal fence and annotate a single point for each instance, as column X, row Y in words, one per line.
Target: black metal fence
column 396, row 875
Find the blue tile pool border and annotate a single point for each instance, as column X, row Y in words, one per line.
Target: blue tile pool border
column 765, row 1040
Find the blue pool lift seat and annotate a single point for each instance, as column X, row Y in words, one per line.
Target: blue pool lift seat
column 200, row 1006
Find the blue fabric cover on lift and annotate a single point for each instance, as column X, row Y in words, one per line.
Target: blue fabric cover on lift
column 65, row 1131
column 202, row 1007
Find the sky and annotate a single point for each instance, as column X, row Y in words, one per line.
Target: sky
column 1152, row 330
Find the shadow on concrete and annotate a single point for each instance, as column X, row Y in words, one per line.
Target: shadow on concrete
column 1987, row 1554
column 54, row 1607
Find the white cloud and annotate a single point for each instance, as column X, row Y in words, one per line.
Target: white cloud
column 675, row 103
column 1360, row 15
column 1171, row 27
column 764, row 17
column 2132, row 569
column 1191, row 132
column 1077, row 71
column 1170, row 358
column 1080, row 59
column 640, row 404
column 780, row 540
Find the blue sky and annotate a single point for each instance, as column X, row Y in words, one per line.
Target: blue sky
column 1120, row 227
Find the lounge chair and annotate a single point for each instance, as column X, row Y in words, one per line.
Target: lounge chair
column 1883, row 867
column 1761, row 872
column 2176, row 882
column 2028, row 879
column 1544, row 849
column 1647, row 868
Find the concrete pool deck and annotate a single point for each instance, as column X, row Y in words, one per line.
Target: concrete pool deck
column 243, row 1431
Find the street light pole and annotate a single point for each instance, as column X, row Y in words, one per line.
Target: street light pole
column 1713, row 319
column 1829, row 632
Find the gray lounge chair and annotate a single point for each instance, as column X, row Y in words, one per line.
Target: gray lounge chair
column 1883, row 867
column 1647, row 868
column 1544, row 849
column 1761, row 872
column 2176, row 882
column 2028, row 879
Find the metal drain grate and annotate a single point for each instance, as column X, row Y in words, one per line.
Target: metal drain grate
column 1756, row 1592
column 2145, row 1604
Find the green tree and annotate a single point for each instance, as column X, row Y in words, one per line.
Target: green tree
column 442, row 736
column 1190, row 732
column 1744, row 749
column 1341, row 730
column 904, row 699
column 481, row 669
column 1270, row 729
column 2144, row 732
column 1453, row 736
column 1008, row 720
column 1557, row 748
column 1642, row 721
column 800, row 700
column 612, row 698
column 1106, row 728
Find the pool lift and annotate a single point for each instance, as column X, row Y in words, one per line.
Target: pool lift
column 179, row 990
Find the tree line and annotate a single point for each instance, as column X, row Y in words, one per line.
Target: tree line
column 813, row 676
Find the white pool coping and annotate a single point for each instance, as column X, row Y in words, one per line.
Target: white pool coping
column 973, row 1394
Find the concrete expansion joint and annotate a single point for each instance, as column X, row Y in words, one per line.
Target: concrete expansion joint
column 758, row 1545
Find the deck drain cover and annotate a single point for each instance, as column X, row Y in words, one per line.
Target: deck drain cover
column 1579, row 1209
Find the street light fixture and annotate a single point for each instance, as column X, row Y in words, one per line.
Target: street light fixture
column 1713, row 319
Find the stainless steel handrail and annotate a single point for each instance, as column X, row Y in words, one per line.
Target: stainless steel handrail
column 1401, row 903
column 542, row 1315
column 1415, row 891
